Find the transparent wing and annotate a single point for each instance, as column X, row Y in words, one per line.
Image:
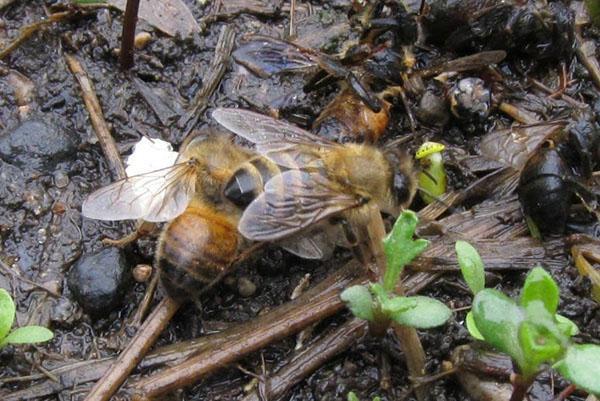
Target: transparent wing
column 513, row 146
column 267, row 56
column 156, row 196
column 317, row 243
column 267, row 133
column 291, row 202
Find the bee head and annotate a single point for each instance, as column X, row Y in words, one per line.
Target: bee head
column 403, row 178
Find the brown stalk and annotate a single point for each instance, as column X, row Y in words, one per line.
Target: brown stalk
column 30, row 29
column 213, row 77
column 128, row 35
column 135, row 351
column 314, row 305
column 109, row 147
column 407, row 336
column 309, row 360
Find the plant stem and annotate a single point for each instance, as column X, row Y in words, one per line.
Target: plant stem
column 520, row 387
column 408, row 337
column 129, row 23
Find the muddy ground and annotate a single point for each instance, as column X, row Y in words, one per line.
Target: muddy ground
column 50, row 160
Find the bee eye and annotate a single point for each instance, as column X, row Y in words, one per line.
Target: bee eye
column 401, row 188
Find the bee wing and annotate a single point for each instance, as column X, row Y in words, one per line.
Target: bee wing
column 268, row 134
column 317, row 243
column 267, row 56
column 291, row 202
column 513, row 146
column 155, row 196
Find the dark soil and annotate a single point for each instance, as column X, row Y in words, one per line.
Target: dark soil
column 50, row 161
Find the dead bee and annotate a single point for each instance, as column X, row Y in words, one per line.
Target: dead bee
column 347, row 119
column 549, row 165
column 265, row 56
column 323, row 179
column 531, row 28
column 553, row 175
column 200, row 240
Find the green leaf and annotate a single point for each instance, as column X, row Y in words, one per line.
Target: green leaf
column 427, row 312
column 498, row 319
column 400, row 248
column 7, row 313
column 580, row 365
column 397, row 305
column 566, row 326
column 471, row 266
column 376, row 398
column 29, row 335
column 359, row 301
column 352, row 396
column 538, row 347
column 472, row 327
column 540, row 286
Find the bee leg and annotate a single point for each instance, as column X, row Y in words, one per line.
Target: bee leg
column 338, row 71
column 144, row 228
column 353, row 242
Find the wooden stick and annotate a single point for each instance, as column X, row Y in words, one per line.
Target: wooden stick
column 30, row 29
column 109, row 147
column 135, row 351
column 312, row 306
column 217, row 69
column 309, row 360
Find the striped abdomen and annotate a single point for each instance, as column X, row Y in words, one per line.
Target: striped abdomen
column 248, row 180
column 194, row 250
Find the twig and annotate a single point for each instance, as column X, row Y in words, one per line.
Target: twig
column 30, row 29
column 128, row 35
column 213, row 77
column 518, row 114
column 292, row 32
column 564, row 97
column 312, row 306
column 16, row 275
column 100, row 127
column 135, row 351
column 309, row 360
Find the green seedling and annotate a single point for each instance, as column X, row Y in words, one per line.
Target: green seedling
column 432, row 177
column 528, row 329
column 377, row 302
column 21, row 335
column 353, row 397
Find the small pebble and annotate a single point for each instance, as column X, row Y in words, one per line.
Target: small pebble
column 61, row 179
column 246, row 288
column 141, row 273
column 98, row 281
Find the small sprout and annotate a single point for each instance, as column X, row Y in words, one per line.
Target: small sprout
column 377, row 301
column 432, row 177
column 531, row 332
column 400, row 248
column 471, row 266
column 21, row 335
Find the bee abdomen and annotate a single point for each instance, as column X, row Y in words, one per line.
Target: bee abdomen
column 194, row 250
column 247, row 182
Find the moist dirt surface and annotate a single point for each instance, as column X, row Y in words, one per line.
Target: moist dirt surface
column 50, row 160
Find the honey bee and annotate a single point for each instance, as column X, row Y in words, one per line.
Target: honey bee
column 218, row 197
